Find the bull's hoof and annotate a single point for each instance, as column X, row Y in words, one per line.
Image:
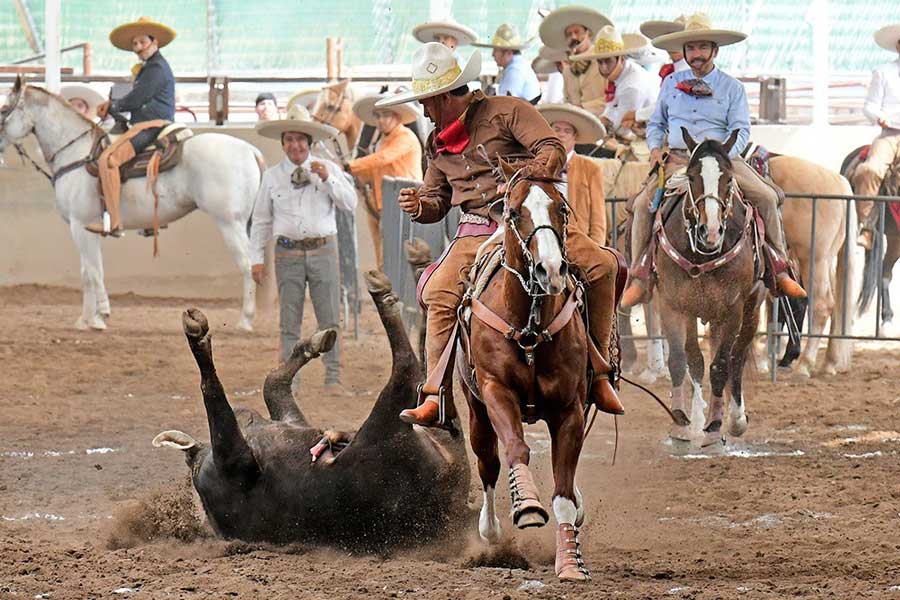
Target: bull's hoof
column 322, row 341
column 418, row 252
column 378, row 283
column 194, row 323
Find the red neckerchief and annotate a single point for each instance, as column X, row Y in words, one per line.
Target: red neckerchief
column 666, row 70
column 610, row 91
column 695, row 87
column 452, row 139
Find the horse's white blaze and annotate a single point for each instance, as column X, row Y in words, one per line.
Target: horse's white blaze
column 710, row 173
column 564, row 510
column 488, row 523
column 549, row 253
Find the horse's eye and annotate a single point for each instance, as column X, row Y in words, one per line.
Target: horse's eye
column 513, row 214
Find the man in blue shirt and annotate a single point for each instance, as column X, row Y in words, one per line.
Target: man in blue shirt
column 517, row 77
column 151, row 103
column 710, row 105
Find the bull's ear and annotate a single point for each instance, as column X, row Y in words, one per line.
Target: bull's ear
column 507, row 169
column 175, row 439
column 731, row 141
column 691, row 144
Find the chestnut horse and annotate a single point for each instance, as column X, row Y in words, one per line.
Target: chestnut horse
column 537, row 372
column 706, row 269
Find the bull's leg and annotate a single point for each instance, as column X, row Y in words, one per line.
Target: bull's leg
column 418, row 254
column 231, row 452
column 506, row 419
column 673, row 326
column 566, row 435
column 484, row 444
column 725, row 335
column 277, row 388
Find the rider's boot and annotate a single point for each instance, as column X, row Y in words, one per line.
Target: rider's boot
column 601, row 306
column 426, row 414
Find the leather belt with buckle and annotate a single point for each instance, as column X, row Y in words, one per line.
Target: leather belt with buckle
column 304, row 244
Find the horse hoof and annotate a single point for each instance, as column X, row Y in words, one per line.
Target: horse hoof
column 244, row 325
column 490, row 535
column 80, row 324
column 713, row 444
column 830, row 369
column 803, row 371
column 738, row 427
column 531, row 518
column 647, row 377
column 681, row 447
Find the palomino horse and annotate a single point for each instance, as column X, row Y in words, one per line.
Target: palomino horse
column 888, row 255
column 797, row 176
column 706, row 270
column 335, row 107
column 219, row 174
column 549, row 382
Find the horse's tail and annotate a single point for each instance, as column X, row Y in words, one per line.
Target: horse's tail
column 261, row 165
column 871, row 273
column 846, row 275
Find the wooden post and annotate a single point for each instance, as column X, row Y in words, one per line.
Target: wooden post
column 329, row 58
column 87, row 59
column 339, row 56
column 218, row 100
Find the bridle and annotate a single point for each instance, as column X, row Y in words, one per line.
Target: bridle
column 690, row 211
column 11, row 107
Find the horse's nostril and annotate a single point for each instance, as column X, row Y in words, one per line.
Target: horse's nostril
column 540, row 272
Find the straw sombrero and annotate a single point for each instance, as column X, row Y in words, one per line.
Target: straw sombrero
column 545, row 62
column 655, row 29
column 588, row 127
column 697, row 29
column 505, row 38
column 887, row 37
column 428, row 32
column 608, row 43
column 297, row 119
column 435, row 71
column 122, row 35
column 553, row 27
column 305, row 98
column 364, row 108
column 92, row 97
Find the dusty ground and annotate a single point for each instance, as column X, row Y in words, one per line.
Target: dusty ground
column 807, row 506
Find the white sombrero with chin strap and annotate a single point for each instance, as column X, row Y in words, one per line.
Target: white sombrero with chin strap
column 609, row 43
column 588, row 127
column 434, row 72
column 428, row 32
column 299, row 120
column 545, row 62
column 698, row 28
column 888, row 37
column 364, row 108
column 553, row 27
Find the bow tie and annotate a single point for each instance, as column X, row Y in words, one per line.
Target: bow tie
column 610, row 90
column 695, row 87
column 666, row 70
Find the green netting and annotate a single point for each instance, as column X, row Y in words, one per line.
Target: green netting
column 269, row 37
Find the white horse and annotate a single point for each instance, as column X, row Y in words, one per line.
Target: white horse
column 218, row 173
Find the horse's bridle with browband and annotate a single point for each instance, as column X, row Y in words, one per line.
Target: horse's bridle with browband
column 690, row 212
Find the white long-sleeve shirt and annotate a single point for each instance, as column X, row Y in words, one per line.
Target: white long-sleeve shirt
column 635, row 89
column 883, row 99
column 554, row 90
column 298, row 213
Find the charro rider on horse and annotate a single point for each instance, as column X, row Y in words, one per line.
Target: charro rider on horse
column 710, row 105
column 151, row 103
column 882, row 107
column 472, row 132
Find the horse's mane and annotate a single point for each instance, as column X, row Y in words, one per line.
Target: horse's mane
column 51, row 96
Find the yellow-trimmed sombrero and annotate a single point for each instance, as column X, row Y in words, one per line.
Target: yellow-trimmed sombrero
column 122, row 35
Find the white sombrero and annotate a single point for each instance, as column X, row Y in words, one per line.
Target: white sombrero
column 435, row 71
column 91, row 97
column 428, row 32
column 297, row 119
column 588, row 127
column 655, row 29
column 122, row 35
column 887, row 37
column 608, row 43
column 545, row 62
column 553, row 27
column 364, row 108
column 505, row 38
column 305, row 98
column 697, row 29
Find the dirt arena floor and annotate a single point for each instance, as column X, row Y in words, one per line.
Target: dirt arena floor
column 807, row 505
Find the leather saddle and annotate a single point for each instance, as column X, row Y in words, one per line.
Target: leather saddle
column 168, row 143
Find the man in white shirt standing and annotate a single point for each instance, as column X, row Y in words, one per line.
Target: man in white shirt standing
column 655, row 29
column 296, row 204
column 882, row 107
column 629, row 87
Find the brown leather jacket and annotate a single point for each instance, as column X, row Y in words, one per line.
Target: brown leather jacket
column 502, row 126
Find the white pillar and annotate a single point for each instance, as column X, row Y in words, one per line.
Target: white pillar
column 51, row 45
column 821, row 33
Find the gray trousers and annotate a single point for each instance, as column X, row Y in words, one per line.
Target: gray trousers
column 318, row 268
